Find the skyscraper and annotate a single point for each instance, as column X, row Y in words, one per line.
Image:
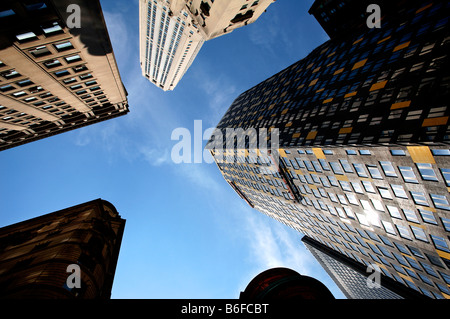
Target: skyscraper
column 361, row 163
column 38, row 256
column 172, row 32
column 356, row 280
column 57, row 70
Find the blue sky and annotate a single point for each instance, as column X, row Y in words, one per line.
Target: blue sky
column 187, row 235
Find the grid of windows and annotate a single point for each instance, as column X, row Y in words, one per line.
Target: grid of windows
column 71, row 95
column 338, row 180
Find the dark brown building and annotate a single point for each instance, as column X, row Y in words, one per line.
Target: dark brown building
column 57, row 69
column 38, row 256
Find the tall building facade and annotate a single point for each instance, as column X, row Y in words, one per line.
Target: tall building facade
column 35, row 254
column 57, row 70
column 362, row 160
column 172, row 32
column 356, row 280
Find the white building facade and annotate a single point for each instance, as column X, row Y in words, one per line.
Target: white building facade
column 172, row 32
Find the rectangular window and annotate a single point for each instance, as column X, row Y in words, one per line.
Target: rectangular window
column 419, row 233
column 374, row 172
column 441, row 152
column 427, row 172
column 359, row 168
column 336, row 168
column 446, row 175
column 333, row 180
column 364, row 152
column 394, row 211
column 403, row 231
column 384, row 192
column 346, row 166
column 440, row 243
column 398, row 153
column 419, row 198
column 388, row 169
column 411, row 216
column 408, row 174
column 63, row 46
column 427, row 216
column 399, row 191
column 368, row 186
column 440, row 201
column 446, row 223
column 357, row 187
column 388, row 227
column 324, row 164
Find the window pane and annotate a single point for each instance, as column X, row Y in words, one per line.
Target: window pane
column 446, row 174
column 427, row 172
column 394, row 211
column 388, row 169
column 346, row 166
column 384, row 192
column 374, row 172
column 398, row 152
column 368, row 186
column 410, row 215
column 388, row 227
column 361, row 172
column 399, row 191
column 440, row 201
column 419, row 198
column 419, row 233
column 440, row 243
column 403, row 231
column 446, row 222
column 408, row 174
column 357, row 187
column 427, row 216
column 336, row 168
column 441, row 152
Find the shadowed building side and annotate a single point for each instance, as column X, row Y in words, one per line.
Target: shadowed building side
column 35, row 254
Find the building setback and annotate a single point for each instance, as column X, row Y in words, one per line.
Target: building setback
column 57, row 70
column 362, row 162
column 172, row 32
column 35, row 254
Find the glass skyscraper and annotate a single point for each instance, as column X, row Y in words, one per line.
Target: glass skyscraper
column 362, row 162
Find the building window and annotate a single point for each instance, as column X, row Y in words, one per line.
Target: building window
column 440, row 243
column 441, row 152
column 399, row 191
column 398, row 153
column 336, row 168
column 419, row 198
column 440, row 201
column 419, row 233
column 384, row 192
column 427, row 172
column 368, row 186
column 403, row 231
column 388, row 169
column 374, row 172
column 427, row 216
column 394, row 212
column 408, row 174
column 446, row 175
column 410, row 216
